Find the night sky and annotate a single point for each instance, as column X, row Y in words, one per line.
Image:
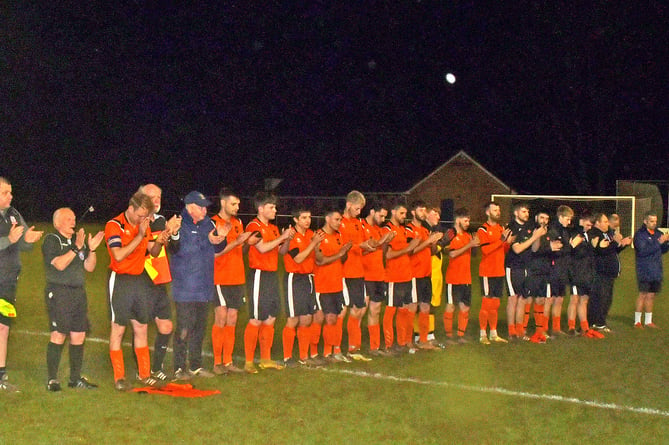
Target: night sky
column 101, row 97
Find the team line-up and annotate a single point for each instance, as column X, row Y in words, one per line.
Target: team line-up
column 353, row 265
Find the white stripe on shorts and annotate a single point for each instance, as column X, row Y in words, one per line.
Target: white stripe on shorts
column 256, row 294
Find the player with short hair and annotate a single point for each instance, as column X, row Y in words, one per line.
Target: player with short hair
column 458, row 274
column 66, row 259
column 398, row 278
column 516, row 262
column 650, row 243
column 375, row 287
column 329, row 282
column 298, row 259
column 354, row 273
column 538, row 273
column 582, row 275
column 421, row 268
column 560, row 267
column 433, row 218
column 495, row 242
column 128, row 240
column 229, row 281
column 157, row 271
column 264, row 303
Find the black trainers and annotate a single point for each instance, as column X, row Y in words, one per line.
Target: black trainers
column 53, row 385
column 82, row 383
column 160, row 375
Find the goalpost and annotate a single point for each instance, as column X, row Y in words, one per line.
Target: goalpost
column 629, row 208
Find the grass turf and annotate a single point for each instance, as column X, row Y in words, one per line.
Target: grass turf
column 516, row 393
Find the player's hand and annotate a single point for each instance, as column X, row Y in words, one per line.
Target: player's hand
column 216, row 239
column 143, row 227
column 288, row 233
column 435, row 236
column 224, row 229
column 506, row 233
column 626, row 241
column 173, row 225
column 317, row 238
column 575, row 241
column 241, row 239
column 94, row 241
column 15, row 233
column 346, row 247
column 475, row 241
column 539, row 232
column 80, row 238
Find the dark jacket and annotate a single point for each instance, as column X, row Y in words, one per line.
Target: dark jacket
column 192, row 261
column 648, row 251
column 607, row 263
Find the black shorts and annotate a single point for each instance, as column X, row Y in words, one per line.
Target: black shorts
column 559, row 282
column 492, row 287
column 399, row 294
column 354, row 292
column 264, row 294
column 515, row 281
column 375, row 291
column 537, row 286
column 8, row 293
column 462, row 293
column 230, row 296
column 129, row 297
column 300, row 297
column 652, row 287
column 67, row 307
column 159, row 302
column 421, row 290
column 581, row 291
column 330, row 303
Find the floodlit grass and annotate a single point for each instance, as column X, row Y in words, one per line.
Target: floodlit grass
column 466, row 394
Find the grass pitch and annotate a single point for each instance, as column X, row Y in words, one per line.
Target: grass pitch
column 571, row 390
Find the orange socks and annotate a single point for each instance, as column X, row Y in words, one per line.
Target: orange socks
column 584, row 326
column 556, row 323
column 374, row 337
column 463, row 319
column 492, row 313
column 401, row 325
column 423, row 326
column 217, row 335
column 266, row 338
column 526, row 318
column 539, row 318
column 288, row 336
column 354, row 333
column 303, row 341
column 314, row 338
column 448, row 323
column 483, row 313
column 329, row 338
column 143, row 362
column 228, row 343
column 117, row 364
column 250, row 341
column 388, row 333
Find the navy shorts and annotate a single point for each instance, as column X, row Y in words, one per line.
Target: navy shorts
column 652, row 287
column 515, row 281
column 492, row 287
column 300, row 298
column 461, row 293
column 230, row 296
column 330, row 303
column 375, row 291
column 129, row 297
column 354, row 292
column 264, row 294
column 421, row 290
column 399, row 294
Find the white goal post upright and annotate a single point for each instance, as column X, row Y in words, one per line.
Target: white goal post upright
column 628, row 213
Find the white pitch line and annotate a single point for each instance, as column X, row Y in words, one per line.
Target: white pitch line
column 472, row 388
column 502, row 391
